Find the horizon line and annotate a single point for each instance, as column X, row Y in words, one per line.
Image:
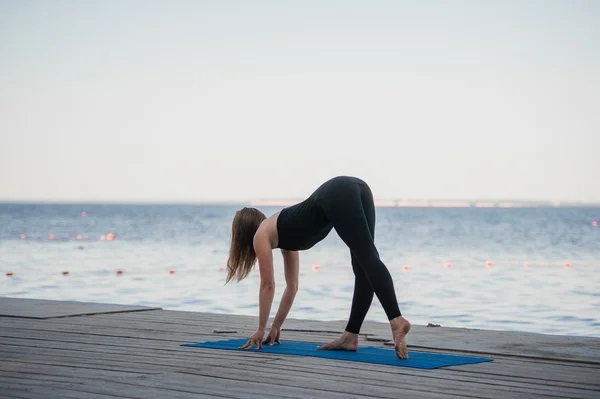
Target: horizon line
column 390, row 203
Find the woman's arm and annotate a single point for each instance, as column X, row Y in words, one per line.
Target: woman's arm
column 291, row 269
column 264, row 255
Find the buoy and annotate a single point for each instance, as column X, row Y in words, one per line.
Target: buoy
column 84, row 214
column 78, row 236
column 405, row 267
column 51, row 237
column 526, row 264
column 9, row 274
column 119, row 272
column 221, row 269
column 489, row 263
column 595, row 223
column 23, row 236
column 110, row 236
column 448, row 265
column 171, row 271
column 316, row 267
column 65, row 273
column 567, row 265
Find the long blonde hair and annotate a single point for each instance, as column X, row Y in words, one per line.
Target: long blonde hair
column 241, row 252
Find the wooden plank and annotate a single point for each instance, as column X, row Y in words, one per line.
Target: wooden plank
column 45, row 309
column 205, row 333
column 115, row 332
column 290, row 386
column 568, row 348
column 104, row 389
column 139, row 355
column 149, row 356
column 66, row 356
column 556, row 372
column 120, row 363
column 32, row 389
column 346, row 385
column 91, row 363
column 186, row 386
column 448, row 379
column 242, row 386
column 437, row 385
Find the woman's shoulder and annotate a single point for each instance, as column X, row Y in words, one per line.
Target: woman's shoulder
column 268, row 230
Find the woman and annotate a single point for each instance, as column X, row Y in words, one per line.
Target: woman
column 344, row 203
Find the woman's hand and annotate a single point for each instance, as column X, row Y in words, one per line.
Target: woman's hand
column 255, row 339
column 273, row 335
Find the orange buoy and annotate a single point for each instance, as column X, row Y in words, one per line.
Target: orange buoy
column 595, row 223
column 84, row 214
column 567, row 265
column 405, row 267
column 51, row 237
column 9, row 274
column 78, row 237
column 489, row 263
column 171, row 271
column 526, row 264
column 65, row 273
column 110, row 236
column 221, row 269
column 23, row 236
column 316, row 267
column 448, row 265
column 119, row 272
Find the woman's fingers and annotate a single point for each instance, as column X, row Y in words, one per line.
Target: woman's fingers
column 269, row 340
column 244, row 346
column 259, row 343
column 250, row 344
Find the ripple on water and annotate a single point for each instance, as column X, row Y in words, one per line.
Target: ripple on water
column 504, row 321
column 447, row 293
column 308, row 309
column 18, row 293
column 409, row 303
column 571, row 319
column 222, row 310
column 453, row 316
column 197, row 302
column 585, row 293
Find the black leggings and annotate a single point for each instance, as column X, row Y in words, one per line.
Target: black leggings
column 350, row 208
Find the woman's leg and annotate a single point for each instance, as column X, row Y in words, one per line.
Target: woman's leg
column 352, row 213
column 346, row 211
column 363, row 291
column 361, row 300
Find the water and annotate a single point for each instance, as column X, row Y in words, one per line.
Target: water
column 150, row 240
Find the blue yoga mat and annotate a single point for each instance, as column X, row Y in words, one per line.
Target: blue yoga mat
column 370, row 354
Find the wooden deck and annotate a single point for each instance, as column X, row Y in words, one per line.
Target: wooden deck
column 110, row 351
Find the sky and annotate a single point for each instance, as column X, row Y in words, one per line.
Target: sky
column 203, row 101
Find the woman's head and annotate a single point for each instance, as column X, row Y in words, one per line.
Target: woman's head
column 241, row 253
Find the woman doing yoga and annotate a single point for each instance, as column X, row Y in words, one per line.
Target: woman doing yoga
column 343, row 203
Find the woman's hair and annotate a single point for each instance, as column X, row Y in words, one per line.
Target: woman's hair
column 241, row 253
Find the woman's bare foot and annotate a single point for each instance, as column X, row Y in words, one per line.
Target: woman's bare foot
column 347, row 342
column 400, row 327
